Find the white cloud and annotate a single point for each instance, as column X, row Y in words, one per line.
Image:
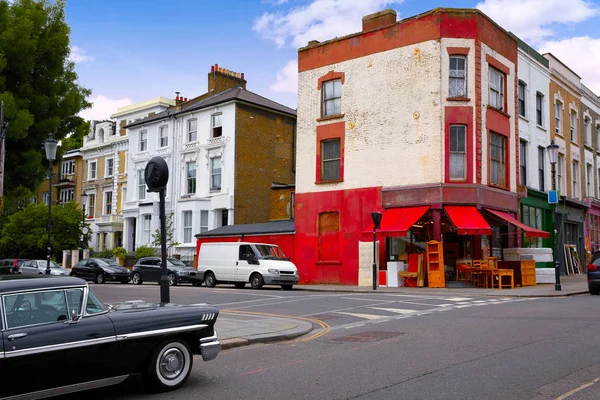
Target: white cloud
column 78, row 56
column 533, row 20
column 103, row 107
column 287, row 78
column 275, row 2
column 319, row 20
column 570, row 52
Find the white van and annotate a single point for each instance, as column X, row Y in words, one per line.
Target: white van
column 243, row 262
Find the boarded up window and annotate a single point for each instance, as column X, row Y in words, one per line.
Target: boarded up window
column 329, row 228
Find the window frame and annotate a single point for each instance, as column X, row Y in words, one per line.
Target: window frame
column 66, row 195
column 141, row 184
column 93, row 175
column 163, row 129
column 143, row 141
column 522, row 99
column 573, row 126
column 587, row 123
column 464, row 153
column 498, row 93
column 91, row 205
column 502, row 162
column 560, row 164
column 334, row 160
column 107, row 172
column 558, row 111
column 203, row 221
column 69, row 166
column 192, row 135
column 574, row 181
column 107, row 202
column 539, row 112
column 541, row 169
column 523, row 146
column 588, row 182
column 333, row 98
column 187, row 225
column 146, row 233
column 464, row 78
column 214, row 174
column 216, row 128
column 191, row 180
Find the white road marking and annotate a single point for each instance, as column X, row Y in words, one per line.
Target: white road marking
column 396, row 310
column 365, row 316
column 463, row 306
column 458, row 298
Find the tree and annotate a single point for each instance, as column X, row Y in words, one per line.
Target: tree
column 75, row 140
column 38, row 84
column 25, row 233
column 170, row 234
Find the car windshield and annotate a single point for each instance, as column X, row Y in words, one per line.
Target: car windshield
column 45, row 262
column 93, row 305
column 269, row 252
column 110, row 261
column 176, row 262
column 101, row 262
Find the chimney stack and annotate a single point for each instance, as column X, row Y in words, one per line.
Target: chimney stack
column 221, row 79
column 379, row 20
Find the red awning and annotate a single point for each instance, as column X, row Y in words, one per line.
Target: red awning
column 399, row 220
column 529, row 231
column 467, row 220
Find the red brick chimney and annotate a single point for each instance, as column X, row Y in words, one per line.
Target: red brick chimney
column 221, row 79
column 378, row 20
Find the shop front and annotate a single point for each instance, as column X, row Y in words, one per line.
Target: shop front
column 592, row 228
column 537, row 213
column 570, row 218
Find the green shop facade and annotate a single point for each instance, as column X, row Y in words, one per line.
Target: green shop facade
column 537, row 213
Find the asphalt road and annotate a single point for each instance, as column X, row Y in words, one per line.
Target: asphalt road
column 377, row 347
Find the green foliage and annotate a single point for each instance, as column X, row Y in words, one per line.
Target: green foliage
column 25, row 232
column 170, row 233
column 119, row 252
column 106, row 253
column 75, row 140
column 144, row 251
column 38, row 84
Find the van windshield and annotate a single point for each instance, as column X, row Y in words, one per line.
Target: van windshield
column 267, row 252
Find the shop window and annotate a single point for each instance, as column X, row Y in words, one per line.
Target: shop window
column 332, row 97
column 329, row 228
column 458, row 76
column 533, row 217
column 458, row 152
column 497, row 160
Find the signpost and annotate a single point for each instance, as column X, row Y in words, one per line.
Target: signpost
column 157, row 176
column 3, row 126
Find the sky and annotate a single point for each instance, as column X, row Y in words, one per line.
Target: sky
column 128, row 51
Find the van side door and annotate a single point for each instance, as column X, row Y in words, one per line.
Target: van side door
column 245, row 264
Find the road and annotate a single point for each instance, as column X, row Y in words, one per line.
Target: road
column 392, row 346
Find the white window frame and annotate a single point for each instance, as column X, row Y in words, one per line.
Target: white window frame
column 109, row 171
column 163, row 136
column 496, row 90
column 46, row 197
column 217, row 123
column 560, row 172
column 106, row 204
column 187, row 222
column 143, row 141
column 573, row 126
column 588, row 180
column 539, row 97
column 588, row 131
column 146, row 228
column 558, row 117
column 523, row 147
column 68, row 167
column 92, row 171
column 66, row 195
column 214, row 174
column 498, row 163
column 522, row 97
column 203, row 221
column 191, row 180
column 91, row 205
column 457, row 75
column 192, row 130
column 337, row 83
column 141, row 184
column 574, row 174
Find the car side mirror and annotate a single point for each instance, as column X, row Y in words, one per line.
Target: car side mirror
column 75, row 317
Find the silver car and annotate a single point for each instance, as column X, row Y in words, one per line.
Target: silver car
column 38, row 267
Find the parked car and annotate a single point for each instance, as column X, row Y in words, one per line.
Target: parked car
column 10, row 265
column 593, row 274
column 147, row 269
column 52, row 322
column 38, row 267
column 100, row 271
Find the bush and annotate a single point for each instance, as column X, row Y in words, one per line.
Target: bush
column 106, row 253
column 144, row 251
column 119, row 252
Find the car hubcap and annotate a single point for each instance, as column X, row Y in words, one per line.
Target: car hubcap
column 99, row 279
column 171, row 279
column 171, row 363
column 136, row 278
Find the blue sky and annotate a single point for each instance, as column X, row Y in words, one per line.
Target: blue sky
column 134, row 50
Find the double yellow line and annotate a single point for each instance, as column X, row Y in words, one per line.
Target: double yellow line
column 325, row 327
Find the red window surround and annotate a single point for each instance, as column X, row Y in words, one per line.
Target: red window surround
column 500, row 124
column 459, row 51
column 331, row 75
column 458, row 115
column 325, row 132
column 505, row 70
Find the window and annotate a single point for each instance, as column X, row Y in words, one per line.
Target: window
column 92, row 170
column 94, row 305
column 203, row 221
column 332, row 97
column 539, row 104
column 331, row 157
column 91, row 205
column 187, row 227
column 588, row 131
column 523, row 162
column 559, row 171
column 496, row 89
column 46, row 198
column 588, row 182
column 66, row 195
column 224, row 217
column 573, row 125
column 109, row 167
column 36, row 306
column 598, row 182
column 101, row 135
column 163, row 134
column 217, row 129
column 521, row 98
column 108, row 197
column 458, row 76
column 541, row 173
column 146, row 223
column 68, row 168
column 21, row 202
column 215, row 173
column 497, row 159
column 141, row 185
column 192, row 130
column 190, row 168
column 123, row 197
column 143, row 141
column 458, row 154
column 574, row 174
column 557, row 117
column 532, row 216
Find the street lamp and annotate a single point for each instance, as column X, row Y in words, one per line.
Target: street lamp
column 376, row 223
column 553, row 156
column 83, row 204
column 50, row 145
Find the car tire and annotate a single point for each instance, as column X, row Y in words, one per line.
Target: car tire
column 172, row 279
column 197, row 283
column 99, row 278
column 170, row 365
column 210, row 280
column 136, row 278
column 256, row 281
column 287, row 287
column 240, row 285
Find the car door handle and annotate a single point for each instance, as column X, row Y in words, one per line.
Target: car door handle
column 15, row 336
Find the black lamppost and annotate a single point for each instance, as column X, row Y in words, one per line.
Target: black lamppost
column 376, row 223
column 50, row 145
column 553, row 156
column 83, row 204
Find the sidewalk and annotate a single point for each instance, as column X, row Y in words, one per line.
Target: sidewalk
column 237, row 329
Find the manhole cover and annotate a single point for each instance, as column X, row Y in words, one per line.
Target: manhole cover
column 365, row 337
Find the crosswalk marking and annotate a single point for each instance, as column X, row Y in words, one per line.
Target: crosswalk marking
column 396, row 310
column 458, row 299
column 365, row 316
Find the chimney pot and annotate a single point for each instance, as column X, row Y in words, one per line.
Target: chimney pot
column 242, row 75
column 212, row 68
column 379, row 20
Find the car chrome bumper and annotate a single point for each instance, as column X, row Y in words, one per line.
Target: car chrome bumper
column 210, row 347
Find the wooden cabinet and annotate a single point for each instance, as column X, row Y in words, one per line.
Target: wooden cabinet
column 524, row 271
column 435, row 265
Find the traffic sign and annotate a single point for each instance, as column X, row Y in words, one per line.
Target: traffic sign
column 553, row 197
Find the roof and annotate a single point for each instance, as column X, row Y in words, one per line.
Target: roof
column 236, row 94
column 273, row 227
column 157, row 101
column 21, row 282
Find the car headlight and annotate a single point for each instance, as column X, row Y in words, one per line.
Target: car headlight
column 296, row 272
column 273, row 271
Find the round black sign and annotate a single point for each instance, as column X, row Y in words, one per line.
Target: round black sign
column 157, row 174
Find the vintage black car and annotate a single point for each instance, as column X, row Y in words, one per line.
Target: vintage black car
column 56, row 330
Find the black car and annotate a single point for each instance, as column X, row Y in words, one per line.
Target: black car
column 147, row 269
column 593, row 274
column 100, row 271
column 49, row 322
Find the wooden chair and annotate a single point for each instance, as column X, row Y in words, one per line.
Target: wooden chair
column 491, row 271
column 410, row 277
column 509, row 273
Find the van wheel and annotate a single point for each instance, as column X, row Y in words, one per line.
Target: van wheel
column 287, row 287
column 209, row 280
column 240, row 285
column 256, row 281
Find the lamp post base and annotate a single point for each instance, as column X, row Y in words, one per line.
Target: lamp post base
column 557, row 286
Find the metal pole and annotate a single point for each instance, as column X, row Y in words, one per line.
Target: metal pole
column 164, row 280
column 557, row 286
column 49, row 218
column 2, row 145
column 374, row 259
column 82, row 226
